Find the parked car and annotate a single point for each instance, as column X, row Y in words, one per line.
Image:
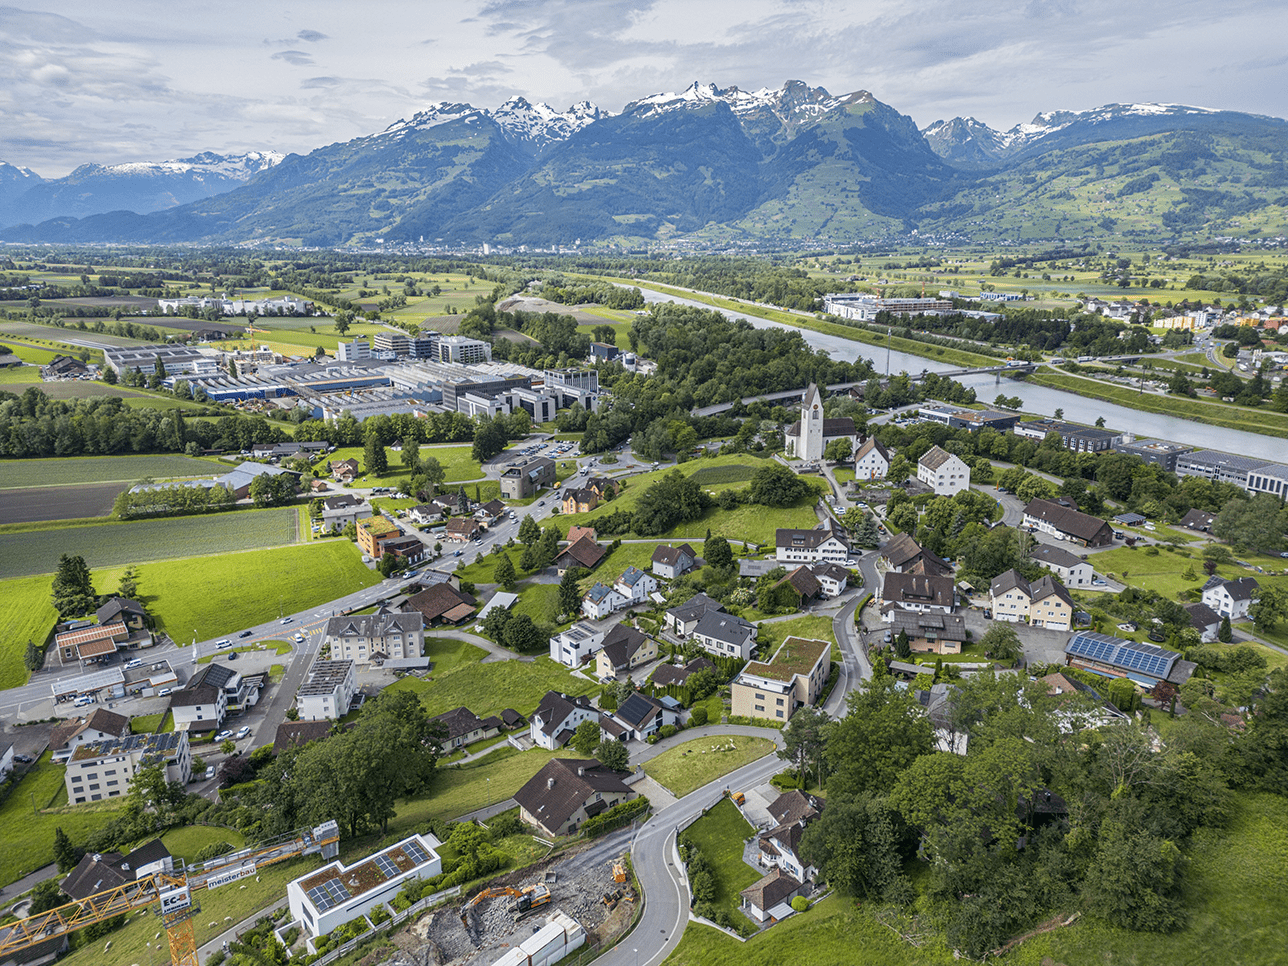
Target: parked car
column 210, row 772
column 163, row 692
column 233, row 655
column 23, row 759
column 132, row 664
column 243, row 732
column 223, row 645
column 223, row 736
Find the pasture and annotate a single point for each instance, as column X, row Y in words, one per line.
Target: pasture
column 35, row 504
column 26, row 614
column 103, row 469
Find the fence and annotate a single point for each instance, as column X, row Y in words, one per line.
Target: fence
column 396, row 920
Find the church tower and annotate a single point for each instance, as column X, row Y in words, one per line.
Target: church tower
column 811, row 437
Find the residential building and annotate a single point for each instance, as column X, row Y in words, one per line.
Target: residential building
column 575, row 645
column 605, row 487
column 810, row 546
column 918, row 592
column 441, row 603
column 104, row 769
column 665, row 675
column 101, row 871
column 871, row 460
column 1063, row 690
column 566, row 791
column 624, row 649
column 930, row 633
column 426, row 514
column 1062, row 521
column 324, row 900
column 771, row 897
column 339, row 511
column 832, row 578
column 328, row 692
column 904, row 555
column 552, row 725
column 463, row 727
column 641, row 716
column 452, row 503
column 344, row 471
column 794, row 676
column 375, row 638
column 1072, row 570
column 1079, row 439
column 670, row 562
column 1010, row 598
column 809, row 436
column 578, row 500
column 460, row 349
column 1052, row 606
column 101, row 725
column 804, row 585
column 1204, row 620
column 462, row 530
column 1230, row 598
column 724, row 634
column 943, row 472
column 1113, row 657
column 490, row 512
column 374, row 533
column 683, row 618
column 793, row 811
column 582, row 552
column 522, row 480
column 1153, row 451
column 297, row 734
column 601, row 600
column 1220, row 467
column 199, row 709
column 635, row 585
column 1199, row 520
column 90, row 645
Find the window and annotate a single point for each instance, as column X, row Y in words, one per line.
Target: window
column 113, row 783
column 779, row 712
column 761, row 707
column 93, row 788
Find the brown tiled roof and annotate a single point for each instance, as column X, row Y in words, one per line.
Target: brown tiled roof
column 585, row 552
column 935, row 457
column 918, row 588
column 575, row 533
column 666, row 674
column 462, row 525
column 670, row 556
column 458, row 721
column 108, row 722
column 292, row 734
column 802, row 581
column 437, row 599
column 870, row 444
column 563, row 785
column 1065, row 519
column 98, row 632
column 771, row 890
column 904, row 553
column 793, row 806
column 620, row 645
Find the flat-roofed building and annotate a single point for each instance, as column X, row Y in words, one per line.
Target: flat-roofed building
column 1154, row 451
column 328, row 692
column 1079, row 439
column 104, row 769
column 1220, row 467
column 793, row 677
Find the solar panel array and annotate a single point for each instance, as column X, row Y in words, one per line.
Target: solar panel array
column 330, row 893
column 1128, row 655
column 386, row 865
column 414, row 852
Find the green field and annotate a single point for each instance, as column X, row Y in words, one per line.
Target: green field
column 720, row 836
column 32, row 551
column 448, row 653
column 103, row 469
column 457, row 461
column 490, row 688
column 26, row 614
column 769, row 636
column 1163, row 572
column 694, row 763
column 539, row 601
column 187, row 842
column 53, row 333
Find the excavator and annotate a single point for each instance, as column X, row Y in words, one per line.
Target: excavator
column 531, row 898
column 171, row 892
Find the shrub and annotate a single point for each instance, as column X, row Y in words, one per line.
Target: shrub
column 785, row 781
column 800, row 904
column 213, row 851
column 668, row 731
column 699, row 717
column 615, row 817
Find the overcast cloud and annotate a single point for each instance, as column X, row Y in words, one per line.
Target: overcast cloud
column 112, row 82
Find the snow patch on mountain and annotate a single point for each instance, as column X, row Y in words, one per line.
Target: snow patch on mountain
column 235, row 167
column 538, row 124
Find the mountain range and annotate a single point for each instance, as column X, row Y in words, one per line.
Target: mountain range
column 708, row 165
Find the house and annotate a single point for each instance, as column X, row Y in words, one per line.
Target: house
column 683, row 618
column 328, row 692
column 665, row 675
column 1052, row 606
column 583, row 552
column 810, row 546
column 918, row 592
column 551, row 726
column 123, row 610
column 1114, row 657
column 770, row 897
column 943, row 472
column 904, row 555
column 832, row 578
column 339, row 511
column 1010, row 597
column 344, row 471
column 441, row 603
column 1064, row 522
column 102, row 725
column 522, row 480
column 452, row 503
column 490, row 512
column 92, row 644
column 579, row 500
column 794, row 811
column 871, row 460
column 575, row 533
column 1204, row 620
column 104, row 769
column 199, row 709
column 624, row 648
column 1071, row 569
column 462, row 529
column 374, row 533
column 932, row 633
column 375, row 638
column 1129, row 520
column 464, row 727
column 601, row 600
column 99, row 872
column 64, row 367
column 239, row 691
column 642, row 716
column 573, row 646
column 670, row 562
column 809, row 436
column 297, row 734
column 804, row 585
column 1199, row 520
column 793, row 677
column 1230, row 598
column 604, row 487
column 635, row 585
column 566, row 791
column 426, row 514
column 724, row 634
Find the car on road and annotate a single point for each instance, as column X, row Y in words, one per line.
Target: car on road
column 163, row 692
column 210, row 772
column 135, row 663
column 223, row 736
column 457, row 554
column 287, row 620
column 243, row 732
column 223, row 645
column 541, row 503
column 244, row 634
column 299, row 638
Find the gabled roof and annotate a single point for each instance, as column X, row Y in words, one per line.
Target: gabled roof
column 869, row 445
column 620, row 645
column 905, row 554
column 102, row 720
column 1198, row 520
column 771, row 890
column 670, row 556
column 1048, row 586
column 728, row 628
column 293, row 734
column 341, row 502
column 1201, row 615
column 1065, row 519
column 436, row 600
column 1239, row 589
column 1054, row 556
column 380, row 625
column 95, row 874
column 464, row 525
column 631, row 576
column 638, row 710
column 1010, row 580
column 584, row 552
column 665, row 674
column 212, row 675
column 563, row 785
column 599, row 592
column 803, row 539
column 918, row 589
column 802, row 581
column 933, row 626
column 830, row 571
column 492, row 508
column 555, row 708
column 935, row 457
column 795, row 805
column 694, row 608
column 458, row 722
column 119, row 605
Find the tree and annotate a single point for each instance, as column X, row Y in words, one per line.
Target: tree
column 46, row 895
column 228, row 747
column 717, row 552
column 1001, row 642
column 34, row 658
column 65, row 854
column 775, row 485
column 149, row 790
column 73, row 587
column 902, row 649
column 109, row 376
column 854, row 845
column 838, row 450
column 1134, row 880
column 803, row 740
column 375, row 460
column 613, row 754
column 1225, row 634
column 505, row 573
column 343, row 319
column 529, row 531
column 586, row 737
column 489, row 440
column 569, row 592
column 523, row 635
column 410, row 452
column 882, row 733
column 129, row 585
column 1269, row 607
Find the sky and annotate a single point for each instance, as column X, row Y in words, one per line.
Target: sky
column 108, row 81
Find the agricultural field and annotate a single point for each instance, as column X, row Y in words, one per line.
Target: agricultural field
column 17, row 379
column 693, row 764
column 30, row 354
column 26, row 614
column 457, row 462
column 36, row 551
column 490, row 688
column 103, row 469
column 35, row 504
column 75, row 337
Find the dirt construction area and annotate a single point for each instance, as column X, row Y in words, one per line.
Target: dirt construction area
column 578, row 880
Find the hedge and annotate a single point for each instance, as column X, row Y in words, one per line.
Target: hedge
column 615, row 817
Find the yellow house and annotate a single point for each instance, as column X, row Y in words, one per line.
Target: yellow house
column 1052, row 606
column 624, row 648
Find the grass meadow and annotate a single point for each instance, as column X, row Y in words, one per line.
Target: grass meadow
column 694, row 763
column 103, row 469
column 26, row 614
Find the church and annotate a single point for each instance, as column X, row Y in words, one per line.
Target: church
column 808, row 438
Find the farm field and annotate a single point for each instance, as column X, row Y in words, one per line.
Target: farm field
column 86, row 389
column 54, row 333
column 103, row 469
column 490, row 688
column 108, row 544
column 35, row 504
column 17, row 379
column 220, row 594
column 30, row 354
column 694, row 763
column 26, row 614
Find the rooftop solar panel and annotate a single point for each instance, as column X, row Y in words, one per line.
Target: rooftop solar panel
column 1128, row 655
column 386, row 865
column 328, row 894
column 414, row 852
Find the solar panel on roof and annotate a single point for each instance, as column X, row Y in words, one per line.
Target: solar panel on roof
column 330, row 893
column 414, row 852
column 386, row 865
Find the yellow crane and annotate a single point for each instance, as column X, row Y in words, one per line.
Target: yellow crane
column 172, row 892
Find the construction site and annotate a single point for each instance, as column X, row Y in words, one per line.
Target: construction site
column 585, row 890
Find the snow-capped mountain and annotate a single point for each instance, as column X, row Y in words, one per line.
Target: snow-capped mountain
column 14, row 181
column 531, row 126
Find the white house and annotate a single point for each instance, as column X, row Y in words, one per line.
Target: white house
column 670, row 562
column 635, row 585
column 339, row 511
column 1230, row 598
column 601, row 600
column 575, row 645
column 328, row 692
column 943, row 472
column 872, row 461
column 102, row 725
column 552, row 725
column 725, row 634
column 1072, row 570
column 810, row 546
column 369, row 638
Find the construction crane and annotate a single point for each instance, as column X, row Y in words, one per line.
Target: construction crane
column 172, row 892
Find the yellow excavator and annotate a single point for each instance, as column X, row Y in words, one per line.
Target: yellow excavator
column 172, row 892
column 530, row 898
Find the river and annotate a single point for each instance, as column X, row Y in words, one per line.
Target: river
column 1042, row 400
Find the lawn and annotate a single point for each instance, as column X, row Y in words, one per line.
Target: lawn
column 1163, row 572
column 188, row 842
column 457, row 462
column 36, row 551
column 221, row 594
column 147, row 724
column 26, row 614
column 448, row 653
column 694, row 763
column 482, row 566
column 810, row 626
column 29, row 843
column 538, row 601
column 277, row 647
column 104, row 469
column 490, row 688
column 720, row 836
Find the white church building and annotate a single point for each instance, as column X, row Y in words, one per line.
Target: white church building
column 807, row 438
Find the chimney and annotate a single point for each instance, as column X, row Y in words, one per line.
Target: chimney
column 581, row 770
column 550, row 783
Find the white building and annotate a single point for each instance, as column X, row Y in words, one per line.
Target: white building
column 459, row 348
column 810, row 546
column 635, row 585
column 328, row 692
column 1230, row 598
column 1072, row 570
column 601, row 600
column 376, row 637
column 725, row 634
column 575, row 646
column 552, row 725
column 104, row 769
column 943, row 472
column 809, row 436
column 871, row 460
column 339, row 511
column 354, row 351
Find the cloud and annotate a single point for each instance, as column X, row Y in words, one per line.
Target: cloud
column 321, row 82
column 311, row 36
column 296, row 57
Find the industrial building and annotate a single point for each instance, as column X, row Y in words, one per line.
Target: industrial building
column 1154, row 451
